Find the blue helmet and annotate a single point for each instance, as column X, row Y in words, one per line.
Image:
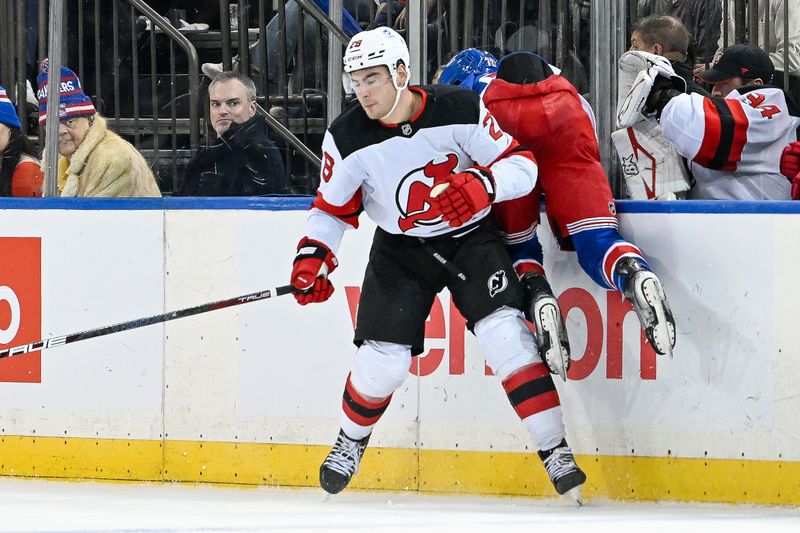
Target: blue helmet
column 467, row 68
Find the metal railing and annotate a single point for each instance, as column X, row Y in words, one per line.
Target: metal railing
column 106, row 44
column 301, row 55
column 753, row 21
column 287, row 61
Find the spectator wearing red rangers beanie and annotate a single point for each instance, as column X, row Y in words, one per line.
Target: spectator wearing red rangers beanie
column 93, row 161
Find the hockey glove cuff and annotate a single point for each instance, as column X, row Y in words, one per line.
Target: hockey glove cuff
column 664, row 90
column 312, row 264
column 790, row 167
column 790, row 160
column 461, row 196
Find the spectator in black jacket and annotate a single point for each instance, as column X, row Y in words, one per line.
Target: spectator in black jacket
column 243, row 161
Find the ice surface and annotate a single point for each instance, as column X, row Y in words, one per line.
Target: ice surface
column 56, row 506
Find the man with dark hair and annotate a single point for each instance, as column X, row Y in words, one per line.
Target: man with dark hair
column 666, row 36
column 244, row 161
column 702, row 18
column 426, row 163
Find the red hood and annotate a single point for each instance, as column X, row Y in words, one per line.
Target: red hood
column 502, row 90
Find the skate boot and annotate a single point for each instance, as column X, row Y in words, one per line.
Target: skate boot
column 342, row 463
column 565, row 475
column 551, row 334
column 643, row 289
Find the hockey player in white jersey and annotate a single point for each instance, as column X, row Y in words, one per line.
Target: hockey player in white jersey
column 733, row 140
column 385, row 154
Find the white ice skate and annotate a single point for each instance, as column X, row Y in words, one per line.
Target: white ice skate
column 644, row 290
column 544, row 312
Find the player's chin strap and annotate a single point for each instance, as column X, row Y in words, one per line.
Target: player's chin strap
column 399, row 91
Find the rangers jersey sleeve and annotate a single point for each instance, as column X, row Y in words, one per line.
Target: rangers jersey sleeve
column 737, row 138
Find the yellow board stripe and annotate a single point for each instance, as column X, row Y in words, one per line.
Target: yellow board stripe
column 81, row 458
column 436, row 471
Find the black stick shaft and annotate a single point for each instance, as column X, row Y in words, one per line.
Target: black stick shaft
column 448, row 265
column 141, row 322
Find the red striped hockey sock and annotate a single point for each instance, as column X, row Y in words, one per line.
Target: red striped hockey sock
column 533, row 396
column 360, row 414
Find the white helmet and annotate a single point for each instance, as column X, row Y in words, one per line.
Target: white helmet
column 381, row 46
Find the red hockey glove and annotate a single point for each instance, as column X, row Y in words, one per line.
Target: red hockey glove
column 790, row 160
column 790, row 167
column 463, row 195
column 312, row 264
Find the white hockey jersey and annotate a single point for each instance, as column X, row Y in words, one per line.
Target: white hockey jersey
column 388, row 170
column 734, row 143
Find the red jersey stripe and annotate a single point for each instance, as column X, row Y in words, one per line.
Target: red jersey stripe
column 741, row 123
column 711, row 136
column 347, row 213
column 613, row 255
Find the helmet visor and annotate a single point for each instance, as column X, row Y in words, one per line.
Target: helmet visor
column 360, row 81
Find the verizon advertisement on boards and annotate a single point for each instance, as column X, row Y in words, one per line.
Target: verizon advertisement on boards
column 273, row 371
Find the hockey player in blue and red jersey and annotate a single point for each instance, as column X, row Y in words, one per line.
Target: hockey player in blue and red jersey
column 544, row 112
column 384, row 155
column 733, row 140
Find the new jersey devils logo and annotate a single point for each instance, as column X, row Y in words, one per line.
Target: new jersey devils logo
column 497, row 282
column 414, row 190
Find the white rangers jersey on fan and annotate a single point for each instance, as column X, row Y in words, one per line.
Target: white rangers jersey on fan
column 388, row 170
column 734, row 143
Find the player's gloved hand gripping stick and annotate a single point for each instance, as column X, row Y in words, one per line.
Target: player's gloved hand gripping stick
column 312, row 264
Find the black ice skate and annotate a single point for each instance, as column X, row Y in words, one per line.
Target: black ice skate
column 544, row 312
column 644, row 290
column 564, row 473
column 342, row 463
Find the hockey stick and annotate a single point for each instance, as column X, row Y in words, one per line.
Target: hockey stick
column 133, row 324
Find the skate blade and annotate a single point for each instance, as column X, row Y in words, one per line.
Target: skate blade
column 326, row 496
column 661, row 336
column 575, row 494
column 556, row 356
